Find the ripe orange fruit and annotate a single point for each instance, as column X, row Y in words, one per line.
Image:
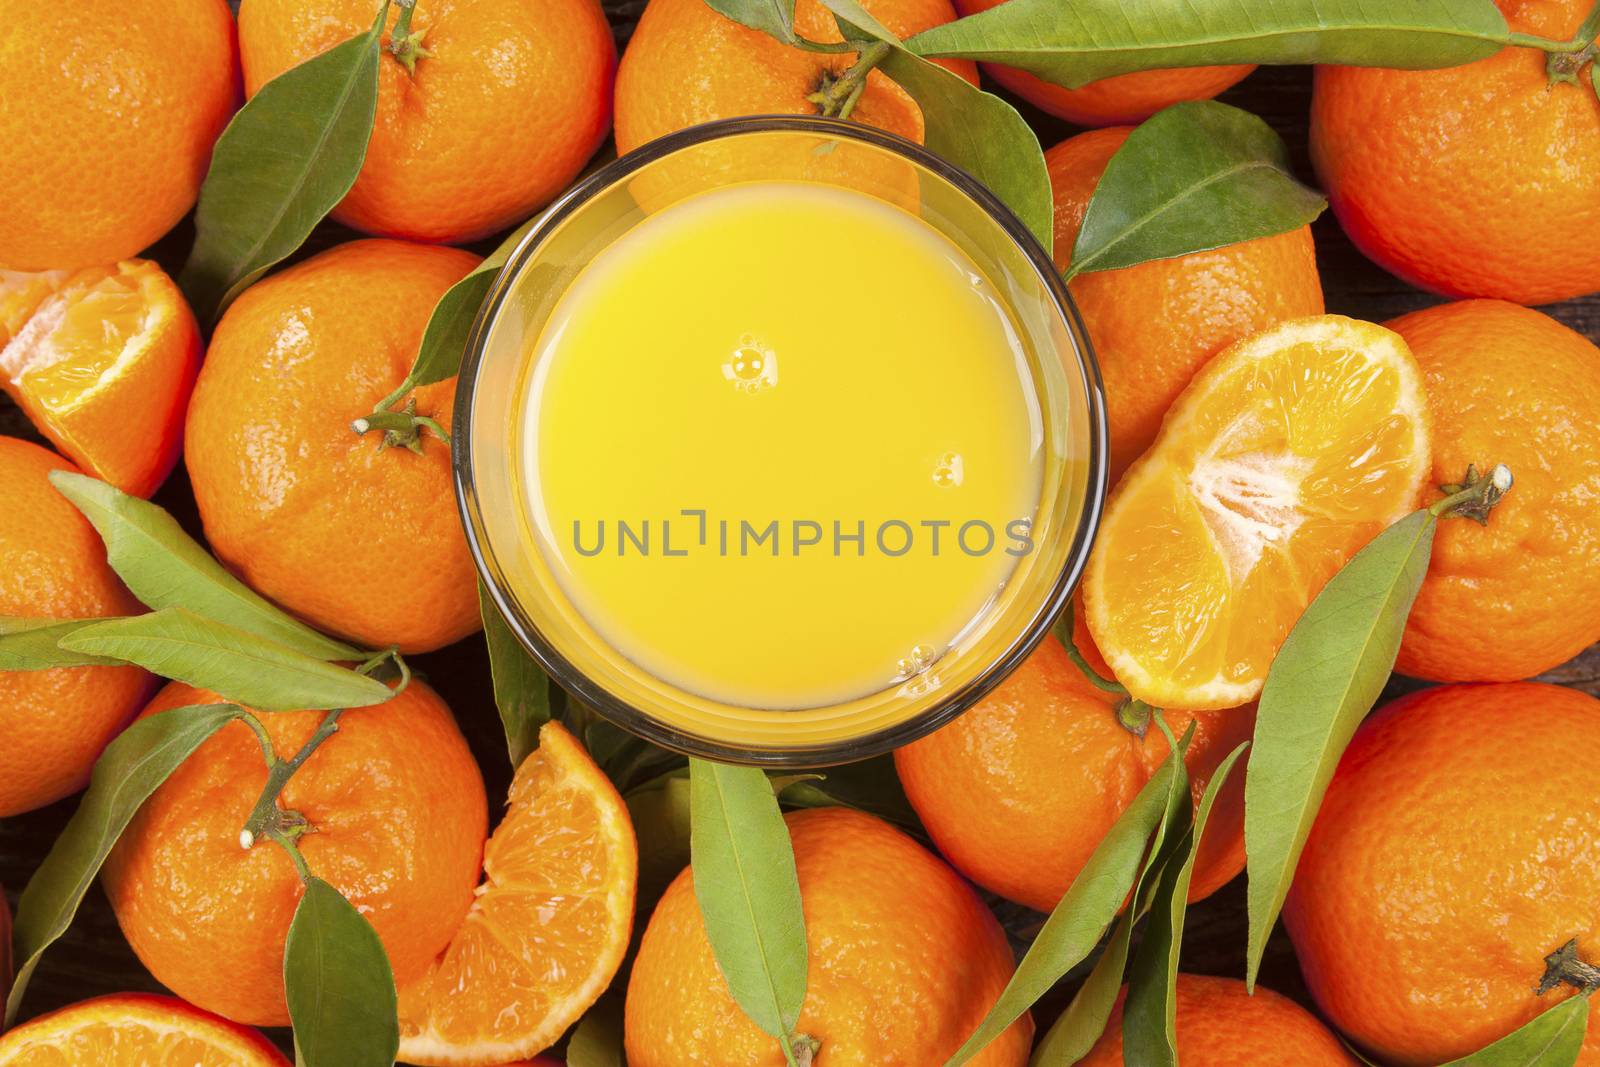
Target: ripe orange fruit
column 1520, row 595
column 108, row 110
column 1285, row 455
column 55, row 722
column 1219, row 1024
column 135, row 1030
column 687, row 64
column 362, row 542
column 548, row 927
column 398, row 815
column 102, row 360
column 1458, row 845
column 904, row 962
column 1123, row 99
column 1155, row 324
column 1481, row 180
column 1019, row 791
column 507, row 103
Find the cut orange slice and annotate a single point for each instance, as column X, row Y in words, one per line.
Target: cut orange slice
column 550, row 924
column 135, row 1030
column 1288, row 452
column 103, row 361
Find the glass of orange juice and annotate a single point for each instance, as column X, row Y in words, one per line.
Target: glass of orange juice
column 779, row 441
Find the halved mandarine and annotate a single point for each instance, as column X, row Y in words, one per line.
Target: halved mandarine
column 102, row 360
column 550, row 924
column 1288, row 452
column 135, row 1030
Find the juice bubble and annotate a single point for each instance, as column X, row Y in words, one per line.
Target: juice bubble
column 752, row 366
column 949, row 471
column 919, row 659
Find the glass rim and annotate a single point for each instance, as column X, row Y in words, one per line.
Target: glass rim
column 640, row 722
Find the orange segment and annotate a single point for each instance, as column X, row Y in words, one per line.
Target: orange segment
column 1286, row 454
column 102, row 360
column 550, row 924
column 135, row 1030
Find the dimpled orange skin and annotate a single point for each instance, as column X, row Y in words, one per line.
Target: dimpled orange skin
column 687, row 64
column 904, row 962
column 55, row 722
column 360, row 542
column 1020, row 790
column 1153, row 325
column 503, row 113
column 1458, row 844
column 400, row 820
column 1521, row 595
column 1220, row 1024
column 108, row 111
column 1123, row 99
column 1481, row 180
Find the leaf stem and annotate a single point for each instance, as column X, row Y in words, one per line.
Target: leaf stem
column 267, row 819
column 804, row 1049
column 403, row 428
column 838, row 95
column 285, row 842
column 403, row 44
column 1587, row 32
column 1474, row 496
column 1563, row 967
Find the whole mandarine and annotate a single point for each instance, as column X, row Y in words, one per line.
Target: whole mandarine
column 904, row 962
column 358, row 539
column 1519, row 594
column 1153, row 325
column 1222, row 1024
column 503, row 104
column 687, row 64
column 1479, row 180
column 55, row 722
column 1453, row 858
column 1020, row 790
column 398, row 819
column 108, row 111
column 1121, row 99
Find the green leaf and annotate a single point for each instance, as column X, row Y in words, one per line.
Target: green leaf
column 132, row 766
column 1325, row 679
column 1149, row 1020
column 597, row 1039
column 869, row 785
column 165, row 567
column 30, row 644
column 1551, row 1039
column 772, row 17
column 337, row 980
column 660, row 811
column 521, row 688
column 979, row 133
column 288, row 156
column 1195, row 176
column 177, row 643
column 749, row 893
column 1086, row 40
column 1092, row 902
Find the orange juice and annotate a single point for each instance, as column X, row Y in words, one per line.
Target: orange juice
column 780, row 446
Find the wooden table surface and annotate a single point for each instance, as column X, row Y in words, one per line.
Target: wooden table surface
column 93, row 958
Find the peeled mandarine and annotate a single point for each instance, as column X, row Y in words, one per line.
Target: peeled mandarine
column 360, row 540
column 55, row 722
column 1520, row 594
column 102, row 360
column 506, row 103
column 687, row 64
column 1117, row 100
column 1458, row 846
column 108, row 111
column 1480, row 180
column 398, row 819
column 1221, row 1024
column 135, row 1030
column 1018, row 791
column 1155, row 324
column 904, row 962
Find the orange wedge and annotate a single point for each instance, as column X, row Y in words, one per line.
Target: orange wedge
column 103, row 361
column 550, row 924
column 1288, row 452
column 135, row 1030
